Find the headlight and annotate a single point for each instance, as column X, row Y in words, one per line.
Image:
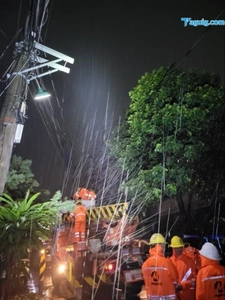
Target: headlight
column 62, row 268
column 110, row 267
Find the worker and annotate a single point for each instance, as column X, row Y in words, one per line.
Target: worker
column 194, row 254
column 84, row 194
column 210, row 282
column 186, row 270
column 80, row 222
column 160, row 275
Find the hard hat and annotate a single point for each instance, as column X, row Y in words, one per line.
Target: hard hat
column 210, row 251
column 157, row 238
column 176, row 242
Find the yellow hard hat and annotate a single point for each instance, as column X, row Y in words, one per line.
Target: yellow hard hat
column 157, row 238
column 176, row 242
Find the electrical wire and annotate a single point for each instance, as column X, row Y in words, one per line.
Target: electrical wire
column 8, row 71
column 196, row 43
column 46, row 112
column 44, row 19
column 49, row 112
column 166, row 76
column 175, row 65
column 13, row 39
column 18, row 74
column 19, row 15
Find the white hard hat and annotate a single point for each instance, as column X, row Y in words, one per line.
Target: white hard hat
column 210, row 251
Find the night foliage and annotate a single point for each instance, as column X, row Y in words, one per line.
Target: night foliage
column 171, row 143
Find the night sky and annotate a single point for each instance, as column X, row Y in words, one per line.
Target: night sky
column 113, row 45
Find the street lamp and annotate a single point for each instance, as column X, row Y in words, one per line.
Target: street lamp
column 41, row 94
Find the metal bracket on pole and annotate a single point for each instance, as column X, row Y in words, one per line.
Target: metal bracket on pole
column 53, row 64
column 48, row 50
column 44, row 62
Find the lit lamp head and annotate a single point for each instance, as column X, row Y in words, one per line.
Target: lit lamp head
column 41, row 94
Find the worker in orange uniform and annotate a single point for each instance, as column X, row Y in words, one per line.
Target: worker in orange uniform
column 159, row 273
column 210, row 282
column 84, row 194
column 186, row 270
column 194, row 254
column 80, row 222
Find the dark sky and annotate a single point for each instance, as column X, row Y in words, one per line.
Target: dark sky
column 113, row 45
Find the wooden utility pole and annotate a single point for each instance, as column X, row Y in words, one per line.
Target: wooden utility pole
column 8, row 117
column 28, row 62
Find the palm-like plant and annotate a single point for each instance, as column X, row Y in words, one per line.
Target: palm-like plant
column 23, row 226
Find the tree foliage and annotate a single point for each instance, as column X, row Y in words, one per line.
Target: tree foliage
column 171, row 142
column 24, row 225
column 20, row 178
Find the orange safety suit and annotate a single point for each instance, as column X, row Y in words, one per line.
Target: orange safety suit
column 194, row 254
column 84, row 194
column 187, row 271
column 210, row 282
column 160, row 276
column 80, row 223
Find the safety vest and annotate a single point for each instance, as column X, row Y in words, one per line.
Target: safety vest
column 80, row 213
column 215, row 286
column 168, row 297
column 158, row 282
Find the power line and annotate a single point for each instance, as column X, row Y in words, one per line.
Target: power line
column 196, row 43
column 13, row 39
column 174, row 65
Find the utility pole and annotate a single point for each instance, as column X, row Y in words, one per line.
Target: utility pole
column 27, row 66
column 9, row 117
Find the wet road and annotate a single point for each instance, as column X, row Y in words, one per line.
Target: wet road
column 47, row 290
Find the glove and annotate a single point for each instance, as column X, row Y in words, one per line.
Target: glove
column 178, row 288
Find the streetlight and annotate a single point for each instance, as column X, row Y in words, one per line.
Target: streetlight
column 13, row 99
column 41, row 94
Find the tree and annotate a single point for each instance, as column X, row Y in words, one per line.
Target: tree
column 20, row 178
column 23, row 226
column 172, row 141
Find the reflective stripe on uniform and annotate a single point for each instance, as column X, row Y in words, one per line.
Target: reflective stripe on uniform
column 80, row 214
column 213, row 277
column 155, row 268
column 168, row 297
